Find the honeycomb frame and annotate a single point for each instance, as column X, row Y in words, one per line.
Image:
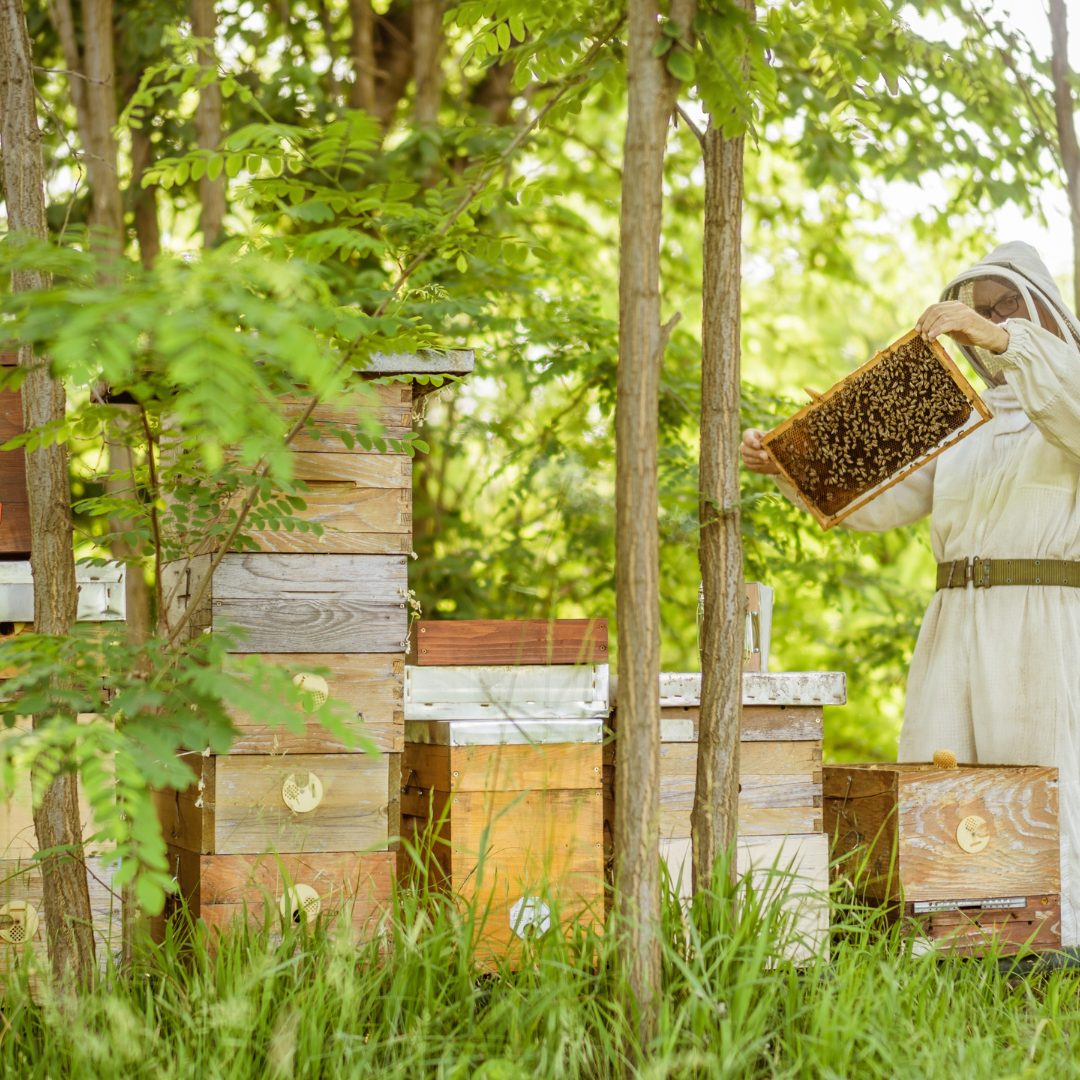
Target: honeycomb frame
column 862, row 491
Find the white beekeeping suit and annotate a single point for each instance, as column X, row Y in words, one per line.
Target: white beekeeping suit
column 996, row 671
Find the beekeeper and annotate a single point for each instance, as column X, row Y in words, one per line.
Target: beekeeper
column 996, row 670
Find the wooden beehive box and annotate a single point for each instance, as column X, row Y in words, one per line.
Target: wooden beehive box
column 22, row 917
column 502, row 792
column 902, row 408
column 968, row 855
column 224, row 890
column 14, row 505
column 474, row 642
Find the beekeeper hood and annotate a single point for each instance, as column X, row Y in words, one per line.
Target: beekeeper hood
column 1017, row 264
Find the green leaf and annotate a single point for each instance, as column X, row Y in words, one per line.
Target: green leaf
column 662, row 46
column 502, row 34
column 681, row 65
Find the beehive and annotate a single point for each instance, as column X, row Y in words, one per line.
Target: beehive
column 502, row 792
column 780, row 797
column 904, row 406
column 473, row 642
column 300, row 819
column 14, row 505
column 965, row 855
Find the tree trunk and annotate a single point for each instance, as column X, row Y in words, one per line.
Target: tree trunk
column 362, row 92
column 651, row 98
column 1066, row 129
column 427, row 59
column 68, row 924
column 144, row 200
column 106, row 215
column 208, row 123
column 326, row 22
column 714, row 818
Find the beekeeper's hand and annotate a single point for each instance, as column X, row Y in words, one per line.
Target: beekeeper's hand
column 963, row 325
column 753, row 453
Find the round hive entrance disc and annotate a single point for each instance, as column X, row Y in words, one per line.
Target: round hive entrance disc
column 530, row 917
column 302, row 792
column 300, row 903
column 18, row 922
column 973, row 834
column 315, row 685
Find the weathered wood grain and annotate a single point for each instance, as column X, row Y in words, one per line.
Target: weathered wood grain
column 239, row 808
column 369, row 684
column 297, row 603
column 224, row 890
column 503, row 768
column 385, row 411
column 759, row 723
column 505, row 641
column 914, row 811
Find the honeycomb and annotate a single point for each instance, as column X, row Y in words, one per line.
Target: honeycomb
column 894, row 413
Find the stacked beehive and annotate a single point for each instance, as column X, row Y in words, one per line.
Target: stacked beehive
column 299, row 820
column 101, row 600
column 967, row 857
column 780, row 818
column 501, row 785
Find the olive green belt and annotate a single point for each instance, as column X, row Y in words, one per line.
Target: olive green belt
column 985, row 573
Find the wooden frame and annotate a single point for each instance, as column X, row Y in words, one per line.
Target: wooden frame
column 827, row 521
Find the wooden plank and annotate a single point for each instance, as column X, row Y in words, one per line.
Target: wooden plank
column 806, row 688
column 506, row 641
column 384, row 411
column 243, row 810
column 312, row 603
column 368, row 684
column 424, row 362
column 14, row 507
column 780, row 723
column 998, row 931
column 224, row 890
column 504, row 768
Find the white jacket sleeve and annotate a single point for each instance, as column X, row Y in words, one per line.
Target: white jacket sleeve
column 1044, row 372
column 899, row 505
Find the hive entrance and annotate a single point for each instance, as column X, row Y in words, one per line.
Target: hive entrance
column 876, row 426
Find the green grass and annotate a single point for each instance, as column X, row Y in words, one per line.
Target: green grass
column 295, row 1003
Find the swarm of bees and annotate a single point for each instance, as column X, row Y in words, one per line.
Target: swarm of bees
column 899, row 409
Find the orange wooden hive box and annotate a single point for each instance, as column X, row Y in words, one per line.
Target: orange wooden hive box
column 967, row 856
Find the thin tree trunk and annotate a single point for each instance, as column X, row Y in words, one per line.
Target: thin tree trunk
column 362, row 91
column 208, row 123
column 651, row 98
column 714, row 818
column 68, row 923
column 144, row 200
column 427, row 60
column 327, row 24
column 107, row 214
column 1066, row 129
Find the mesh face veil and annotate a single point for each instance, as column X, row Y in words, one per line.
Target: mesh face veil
column 1036, row 305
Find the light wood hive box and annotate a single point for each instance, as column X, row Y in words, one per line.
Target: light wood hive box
column 502, row 793
column 967, row 856
column 781, row 841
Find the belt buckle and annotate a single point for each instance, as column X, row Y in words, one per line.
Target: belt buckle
column 979, row 573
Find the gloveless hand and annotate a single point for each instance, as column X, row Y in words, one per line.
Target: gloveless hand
column 962, row 324
column 754, row 455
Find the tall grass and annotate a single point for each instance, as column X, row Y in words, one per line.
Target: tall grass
column 287, row 1002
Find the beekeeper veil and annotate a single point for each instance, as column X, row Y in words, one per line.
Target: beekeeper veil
column 1033, row 296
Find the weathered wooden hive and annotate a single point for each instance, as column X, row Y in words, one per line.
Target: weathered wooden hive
column 299, row 821
column 501, row 783
column 22, row 917
column 967, row 856
column 781, row 839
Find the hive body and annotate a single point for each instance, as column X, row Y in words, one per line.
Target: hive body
column 780, row 837
column 502, row 792
column 967, row 855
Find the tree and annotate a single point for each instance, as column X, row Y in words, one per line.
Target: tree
column 642, row 339
column 1064, row 109
column 66, row 897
